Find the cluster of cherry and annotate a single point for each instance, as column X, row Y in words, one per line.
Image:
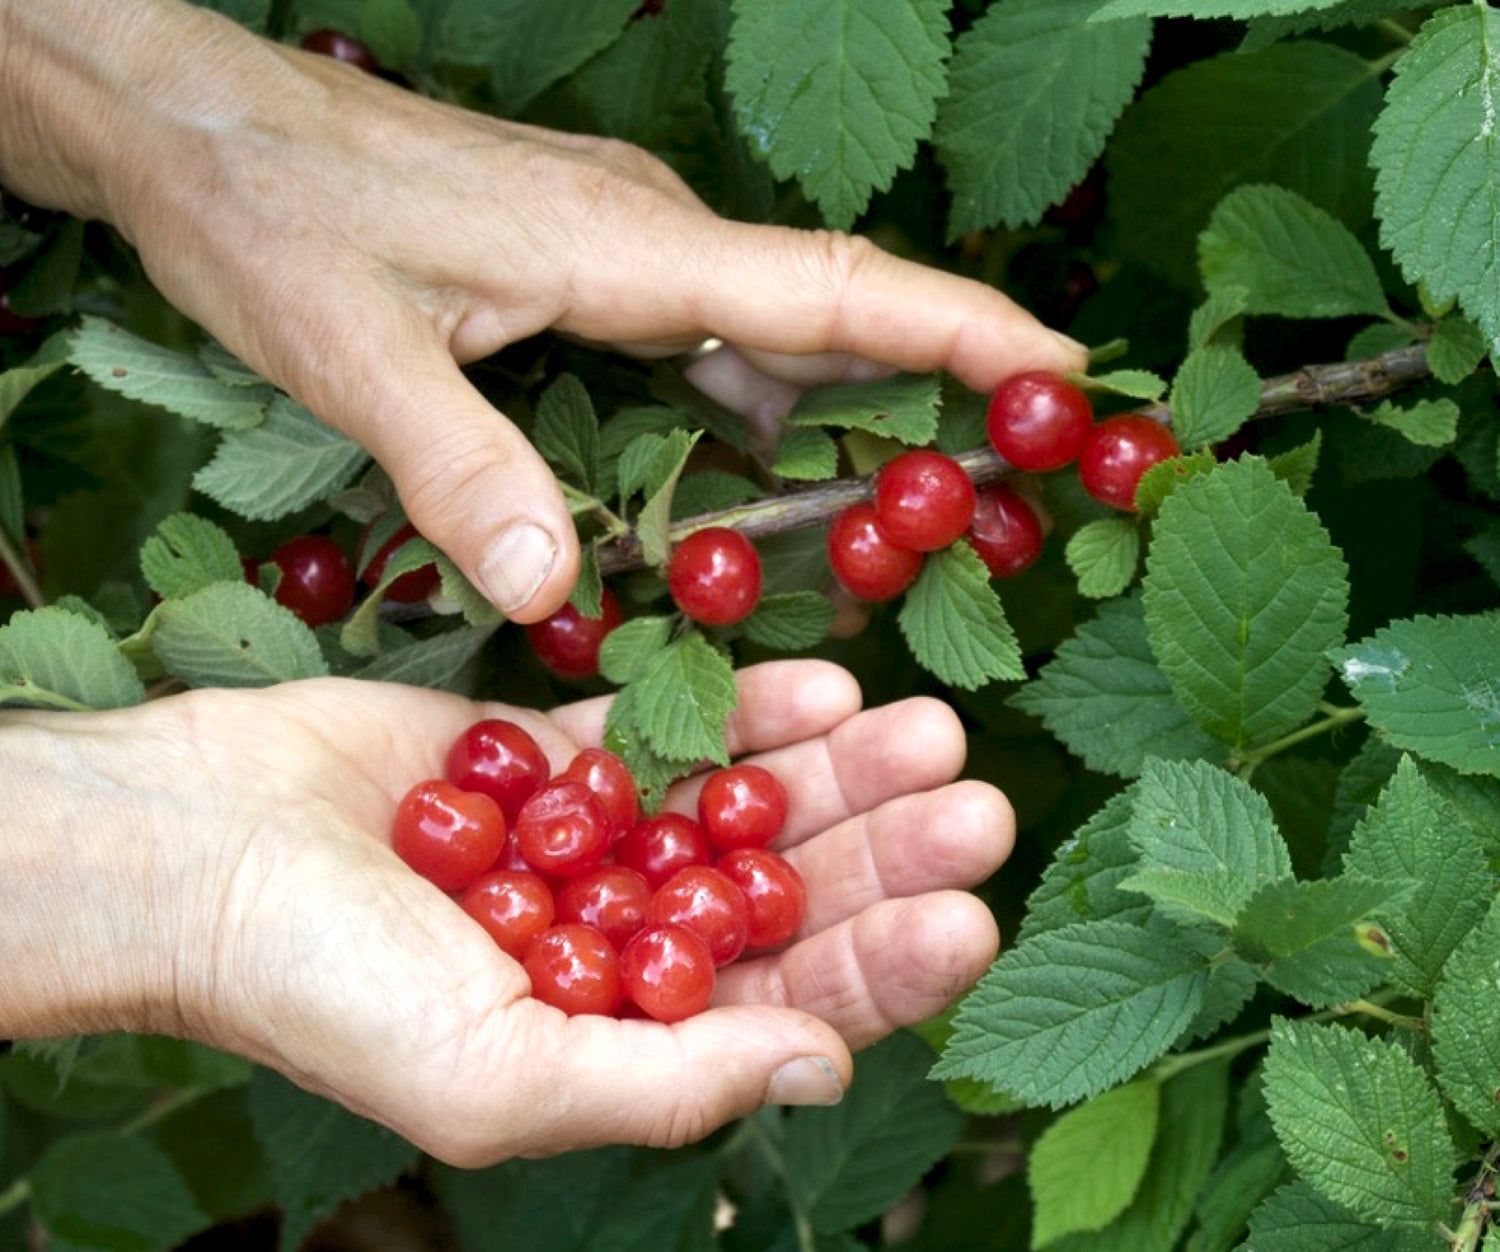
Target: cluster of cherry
column 609, row 912
column 1038, row 421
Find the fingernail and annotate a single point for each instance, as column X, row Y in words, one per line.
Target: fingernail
column 516, row 565
column 807, row 1080
column 1070, row 345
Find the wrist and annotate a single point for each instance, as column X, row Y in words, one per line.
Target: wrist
column 87, row 943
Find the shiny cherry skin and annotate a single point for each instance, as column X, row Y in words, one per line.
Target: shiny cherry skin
column 448, row 836
column 567, row 643
column 668, row 972
column 742, row 806
column 1119, row 452
column 868, row 564
column 661, row 845
column 609, row 778
column 707, row 903
column 1005, row 531
column 513, row 906
column 775, row 895
column 500, row 759
column 613, row 898
column 317, row 581
column 562, row 829
column 923, row 500
column 1038, row 420
column 573, row 967
column 410, row 588
column 341, row 47
column 714, row 576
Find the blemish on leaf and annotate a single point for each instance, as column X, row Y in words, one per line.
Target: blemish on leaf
column 119, row 371
column 1393, row 1146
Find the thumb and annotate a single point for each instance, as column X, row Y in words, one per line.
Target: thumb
column 473, row 485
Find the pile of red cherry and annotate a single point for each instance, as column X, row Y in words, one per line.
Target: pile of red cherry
column 608, row 911
column 1038, row 421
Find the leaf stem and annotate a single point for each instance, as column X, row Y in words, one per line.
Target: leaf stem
column 1171, row 1066
column 1332, row 721
column 1479, row 1203
column 20, row 570
column 1402, row 1021
column 757, row 1134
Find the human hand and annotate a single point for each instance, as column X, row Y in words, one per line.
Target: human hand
column 355, row 242
column 233, row 882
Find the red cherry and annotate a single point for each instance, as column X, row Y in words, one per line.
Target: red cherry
column 448, row 836
column 613, row 898
column 660, row 846
column 707, row 903
column 513, row 906
column 1038, row 420
column 714, row 576
column 573, row 967
column 317, row 581
column 668, row 972
column 775, row 895
column 410, row 588
column 923, row 500
column 867, row 563
column 501, row 760
column 567, row 643
column 341, row 47
column 562, row 829
column 743, row 806
column 1119, row 452
column 1006, row 531
column 608, row 777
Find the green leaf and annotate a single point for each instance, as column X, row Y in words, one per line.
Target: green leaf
column 848, row 1164
column 1296, row 466
column 99, row 1191
column 1113, row 10
column 837, row 93
column 1034, row 91
column 653, row 524
column 1163, row 478
column 1246, row 1173
column 52, row 658
column 904, row 408
column 360, row 633
column 435, row 662
column 1428, row 423
column 954, row 623
column 1412, row 833
column 1189, row 1127
column 1294, row 259
column 286, row 463
column 1455, row 350
column 790, row 622
column 392, row 31
column 684, row 696
column 1436, row 156
column 806, row 455
column 1214, row 393
column 1082, row 882
column 1225, row 306
column 1085, row 1167
column 320, row 1154
column 1106, row 698
column 587, row 595
column 523, row 46
column 1244, row 596
column 630, row 646
column 566, row 431
column 1297, row 1219
column 456, row 588
column 1466, row 1025
column 1103, row 555
column 1360, row 1122
column 1297, row 114
column 17, row 382
column 1206, row 841
column 119, row 361
column 1430, row 685
column 1132, row 384
column 709, row 491
column 1266, row 30
column 233, row 635
column 185, row 554
column 624, row 735
column 1303, row 934
column 1076, row 1010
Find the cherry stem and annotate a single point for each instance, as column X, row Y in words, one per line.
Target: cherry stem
column 1314, row 386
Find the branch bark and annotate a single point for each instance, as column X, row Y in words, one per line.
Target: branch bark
column 1314, row 386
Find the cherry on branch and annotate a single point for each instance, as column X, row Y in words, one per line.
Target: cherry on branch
column 1038, row 420
column 1117, row 455
column 923, row 500
column 714, row 576
column 1006, row 531
column 865, row 560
